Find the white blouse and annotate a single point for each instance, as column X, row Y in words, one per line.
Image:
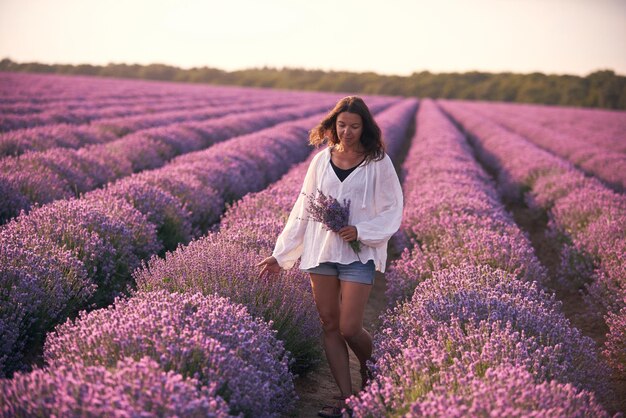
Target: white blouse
column 375, row 210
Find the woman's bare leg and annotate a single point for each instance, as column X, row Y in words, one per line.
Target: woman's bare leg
column 354, row 297
column 326, row 293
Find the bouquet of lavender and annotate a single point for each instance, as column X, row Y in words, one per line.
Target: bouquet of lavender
column 332, row 214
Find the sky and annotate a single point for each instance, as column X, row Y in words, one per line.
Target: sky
column 384, row 36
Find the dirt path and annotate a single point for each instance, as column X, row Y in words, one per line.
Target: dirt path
column 318, row 387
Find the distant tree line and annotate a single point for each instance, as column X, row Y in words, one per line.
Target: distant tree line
column 603, row 89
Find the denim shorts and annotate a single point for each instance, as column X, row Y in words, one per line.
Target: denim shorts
column 356, row 272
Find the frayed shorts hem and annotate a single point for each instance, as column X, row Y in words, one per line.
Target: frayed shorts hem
column 356, row 272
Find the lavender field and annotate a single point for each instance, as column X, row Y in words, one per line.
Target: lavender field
column 132, row 215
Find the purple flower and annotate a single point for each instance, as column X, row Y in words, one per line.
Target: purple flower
column 329, row 212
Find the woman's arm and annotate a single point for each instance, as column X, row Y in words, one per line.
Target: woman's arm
column 290, row 242
column 389, row 199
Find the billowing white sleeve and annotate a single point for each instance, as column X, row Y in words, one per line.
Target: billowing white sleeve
column 388, row 201
column 290, row 242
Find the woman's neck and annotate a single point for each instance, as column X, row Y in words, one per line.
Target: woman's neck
column 354, row 150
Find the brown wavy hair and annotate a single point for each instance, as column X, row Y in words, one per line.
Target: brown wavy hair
column 371, row 137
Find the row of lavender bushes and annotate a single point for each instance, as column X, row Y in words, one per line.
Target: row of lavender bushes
column 59, row 173
column 79, row 253
column 42, row 138
column 469, row 331
column 601, row 127
column 89, row 105
column 601, row 161
column 222, row 262
column 584, row 215
column 32, row 100
column 47, row 91
column 27, row 120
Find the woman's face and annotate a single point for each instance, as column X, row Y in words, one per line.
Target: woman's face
column 349, row 129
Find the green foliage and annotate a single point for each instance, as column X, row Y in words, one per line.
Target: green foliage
column 603, row 88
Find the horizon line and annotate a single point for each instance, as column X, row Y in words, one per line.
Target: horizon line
column 282, row 68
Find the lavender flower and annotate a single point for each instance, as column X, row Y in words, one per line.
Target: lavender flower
column 329, row 212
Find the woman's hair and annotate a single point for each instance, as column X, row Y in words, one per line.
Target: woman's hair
column 371, row 136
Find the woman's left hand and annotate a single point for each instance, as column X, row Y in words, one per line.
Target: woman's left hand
column 348, row 233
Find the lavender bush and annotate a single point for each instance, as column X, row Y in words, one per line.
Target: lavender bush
column 506, row 391
column 207, row 338
column 39, row 286
column 474, row 294
column 166, row 212
column 108, row 235
column 132, row 388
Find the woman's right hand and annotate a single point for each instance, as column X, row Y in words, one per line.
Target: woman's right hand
column 270, row 266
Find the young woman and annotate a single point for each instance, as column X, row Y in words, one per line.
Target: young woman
column 354, row 167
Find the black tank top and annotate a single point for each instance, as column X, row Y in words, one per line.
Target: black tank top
column 341, row 173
